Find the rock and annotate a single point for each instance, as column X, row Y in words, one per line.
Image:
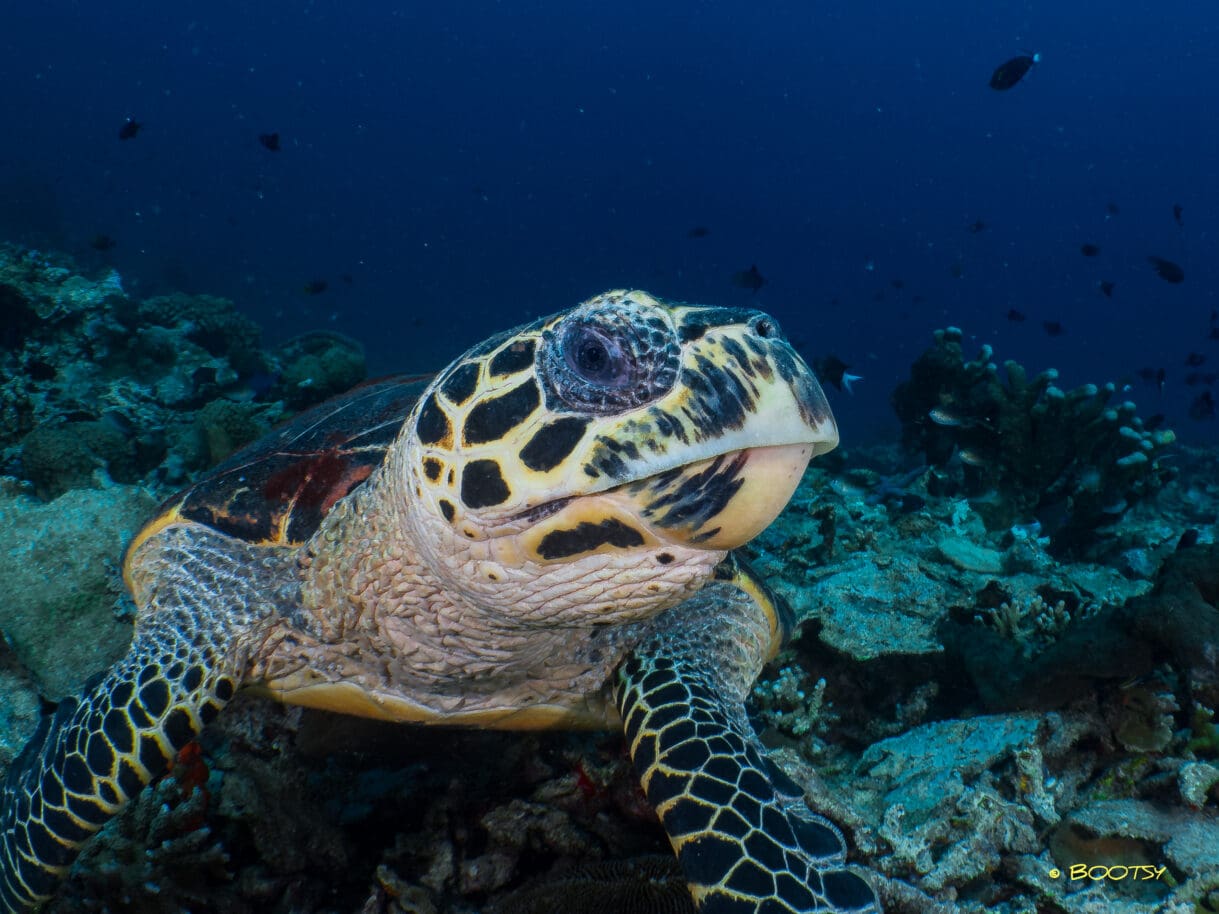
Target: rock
column 869, row 612
column 1188, row 839
column 970, row 556
column 60, row 579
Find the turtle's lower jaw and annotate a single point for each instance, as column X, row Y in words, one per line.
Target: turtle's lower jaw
column 711, row 505
column 721, row 502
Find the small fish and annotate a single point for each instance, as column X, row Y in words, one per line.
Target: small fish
column 977, row 226
column 1052, row 328
column 1177, row 210
column 1111, row 210
column 749, row 279
column 1089, row 250
column 898, row 283
column 699, row 231
column 1195, row 378
column 1016, row 317
column 130, row 129
column 315, row 287
column 1203, row 406
column 972, row 458
column 1167, row 270
column 943, row 417
column 1007, row 74
column 102, row 242
column 833, row 370
column 270, row 141
column 1194, row 359
column 1106, row 288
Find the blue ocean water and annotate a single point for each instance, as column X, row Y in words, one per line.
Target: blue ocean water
column 450, row 169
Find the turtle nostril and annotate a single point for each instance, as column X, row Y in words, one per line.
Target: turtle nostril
column 766, row 328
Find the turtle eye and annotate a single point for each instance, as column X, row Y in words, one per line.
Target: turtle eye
column 596, row 357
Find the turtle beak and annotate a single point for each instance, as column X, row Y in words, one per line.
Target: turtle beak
column 719, row 503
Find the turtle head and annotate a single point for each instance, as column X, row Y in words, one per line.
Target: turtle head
column 628, row 441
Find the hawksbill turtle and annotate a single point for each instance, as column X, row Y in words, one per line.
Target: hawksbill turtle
column 539, row 537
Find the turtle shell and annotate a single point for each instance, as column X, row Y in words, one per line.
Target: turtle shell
column 276, row 491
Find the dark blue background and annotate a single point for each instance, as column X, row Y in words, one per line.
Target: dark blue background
column 471, row 164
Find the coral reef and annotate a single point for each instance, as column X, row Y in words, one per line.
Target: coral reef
column 1025, row 446
column 59, row 574
column 151, row 391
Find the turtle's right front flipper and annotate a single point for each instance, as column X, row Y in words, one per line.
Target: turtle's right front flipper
column 102, row 748
column 742, row 833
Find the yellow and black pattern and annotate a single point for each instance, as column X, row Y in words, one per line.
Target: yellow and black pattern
column 744, row 837
column 102, row 748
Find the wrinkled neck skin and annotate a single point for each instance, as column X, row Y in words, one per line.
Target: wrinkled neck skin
column 395, row 598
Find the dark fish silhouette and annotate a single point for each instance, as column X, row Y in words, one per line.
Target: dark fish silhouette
column 129, row 130
column 1194, row 378
column 102, row 242
column 270, row 141
column 1194, row 359
column 1106, row 288
column 1052, row 328
column 1167, row 270
column 1111, row 209
column 1177, row 210
column 1089, row 250
column 977, row 226
column 699, row 231
column 315, row 287
column 749, row 279
column 1008, row 74
column 1015, row 316
column 833, row 370
column 1203, row 406
column 898, row 283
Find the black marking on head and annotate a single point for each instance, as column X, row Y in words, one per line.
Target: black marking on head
column 719, row 400
column 664, row 558
column 516, row 356
column 490, row 420
column 461, row 382
column 586, row 537
column 432, row 468
column 700, row 497
column 482, row 484
column 447, row 509
column 553, row 443
column 696, row 322
column 433, row 425
column 224, row 689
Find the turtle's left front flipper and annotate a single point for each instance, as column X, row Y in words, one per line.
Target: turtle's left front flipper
column 100, row 749
column 745, row 839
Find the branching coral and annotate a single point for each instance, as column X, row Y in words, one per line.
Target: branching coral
column 1069, row 457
